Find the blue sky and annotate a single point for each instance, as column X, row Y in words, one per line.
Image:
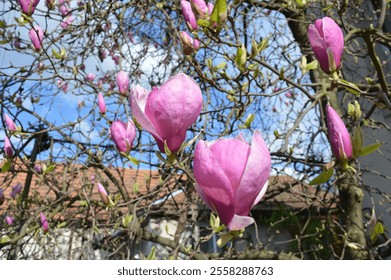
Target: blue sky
column 276, row 113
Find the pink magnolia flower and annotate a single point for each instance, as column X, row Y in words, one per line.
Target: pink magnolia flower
column 90, row 77
column 10, row 123
column 66, row 22
column 188, row 43
column 200, row 8
column 123, row 135
column 123, row 82
column 167, row 112
column 38, row 168
column 188, row 15
column 36, row 37
column 101, row 103
column 44, row 223
column 28, row 6
column 103, row 194
column 64, row 10
column 232, row 177
column 327, row 42
column 289, row 94
column 8, row 147
column 339, row 137
column 16, row 190
column 9, row 220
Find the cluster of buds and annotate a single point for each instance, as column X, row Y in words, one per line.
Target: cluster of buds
column 192, row 11
column 189, row 44
column 36, row 33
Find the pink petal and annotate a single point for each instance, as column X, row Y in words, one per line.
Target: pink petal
column 255, row 176
column 188, row 15
column 231, row 155
column 318, row 46
column 215, row 186
column 239, row 222
column 333, row 38
column 138, row 99
column 338, row 134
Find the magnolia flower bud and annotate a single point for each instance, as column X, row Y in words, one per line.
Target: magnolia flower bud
column 123, row 135
column 188, row 44
column 200, row 9
column 9, row 220
column 16, row 190
column 232, row 177
column 101, row 103
column 28, row 6
column 338, row 135
column 38, row 168
column 90, row 77
column 10, row 123
column 8, row 147
column 188, row 15
column 327, row 42
column 103, row 194
column 44, row 223
column 36, row 37
column 123, row 82
column 64, row 10
column 67, row 22
column 168, row 111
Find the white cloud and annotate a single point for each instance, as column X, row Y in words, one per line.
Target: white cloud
column 85, row 132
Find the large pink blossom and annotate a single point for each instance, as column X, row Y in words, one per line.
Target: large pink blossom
column 232, row 177
column 168, row 111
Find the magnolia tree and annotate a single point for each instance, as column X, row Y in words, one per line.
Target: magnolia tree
column 221, row 99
